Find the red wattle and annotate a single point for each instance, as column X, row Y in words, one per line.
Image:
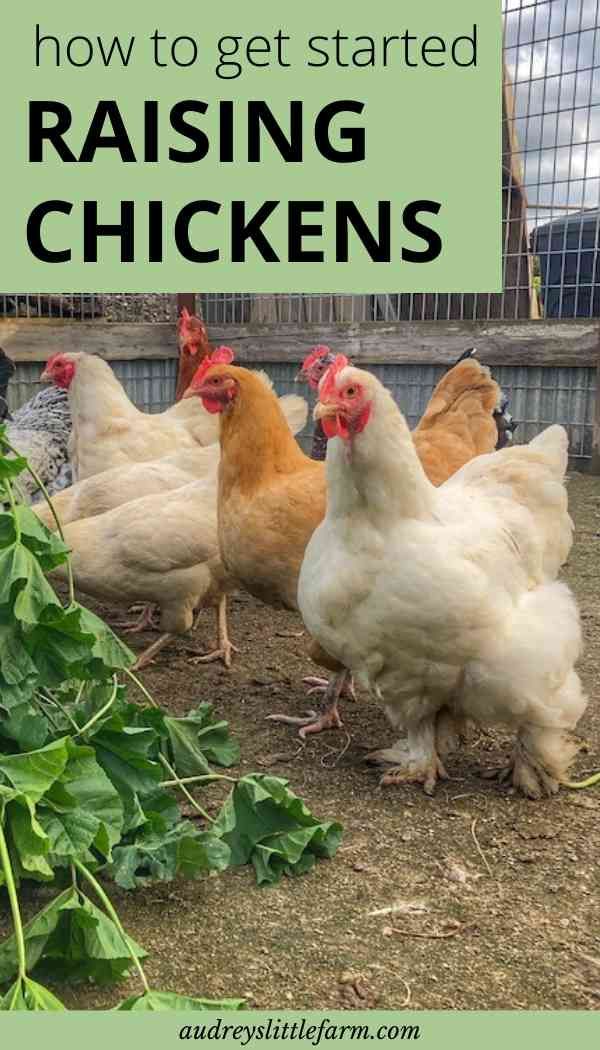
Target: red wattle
column 212, row 405
column 330, row 426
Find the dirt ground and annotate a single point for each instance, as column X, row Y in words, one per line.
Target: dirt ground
column 473, row 899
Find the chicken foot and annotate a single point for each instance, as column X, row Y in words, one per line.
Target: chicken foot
column 145, row 622
column 225, row 648
column 148, row 654
column 539, row 762
column 329, row 718
column 412, row 761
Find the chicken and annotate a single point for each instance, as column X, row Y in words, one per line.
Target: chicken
column 272, row 497
column 108, row 430
column 40, row 430
column 446, row 599
column 194, row 347
column 7, row 369
column 105, row 563
column 111, row 488
column 461, row 419
column 456, row 425
column 161, row 552
column 313, row 369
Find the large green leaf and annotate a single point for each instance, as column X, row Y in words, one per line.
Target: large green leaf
column 158, row 1001
column 11, row 466
column 37, row 932
column 86, row 944
column 182, row 850
column 16, row 664
column 23, row 584
column 47, row 546
column 263, row 812
column 24, row 724
column 29, row 838
column 93, row 793
column 197, row 740
column 34, row 772
column 73, row 643
column 29, row 995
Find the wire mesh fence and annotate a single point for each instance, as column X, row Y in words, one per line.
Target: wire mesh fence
column 537, row 396
column 551, row 201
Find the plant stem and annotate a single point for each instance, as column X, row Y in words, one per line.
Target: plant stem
column 13, row 506
column 142, row 688
column 177, row 781
column 51, row 700
column 59, row 527
column 115, row 918
column 14, row 905
column 575, row 784
column 196, row 780
column 102, row 710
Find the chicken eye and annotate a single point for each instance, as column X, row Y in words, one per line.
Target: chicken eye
column 215, row 381
column 351, row 391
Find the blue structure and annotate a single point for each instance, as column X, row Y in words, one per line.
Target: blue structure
column 569, row 254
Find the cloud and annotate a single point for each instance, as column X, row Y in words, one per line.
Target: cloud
column 552, row 51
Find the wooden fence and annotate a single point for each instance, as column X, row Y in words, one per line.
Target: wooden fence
column 529, row 344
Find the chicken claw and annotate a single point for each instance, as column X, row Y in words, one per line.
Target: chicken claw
column 416, row 773
column 145, row 622
column 416, row 764
column 526, row 775
column 311, row 722
column 222, row 652
column 329, row 718
column 320, row 685
column 294, row 720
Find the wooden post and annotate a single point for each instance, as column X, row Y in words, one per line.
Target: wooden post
column 187, row 299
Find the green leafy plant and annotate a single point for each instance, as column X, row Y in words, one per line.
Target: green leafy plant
column 89, row 782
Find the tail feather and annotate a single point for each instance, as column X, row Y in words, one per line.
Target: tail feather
column 505, row 424
column 295, row 410
column 7, row 369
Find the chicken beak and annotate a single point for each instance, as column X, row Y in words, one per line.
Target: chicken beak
column 45, row 377
column 300, row 376
column 325, row 410
column 190, row 392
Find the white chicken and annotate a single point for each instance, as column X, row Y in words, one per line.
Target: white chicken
column 446, row 600
column 111, row 488
column 108, row 430
column 147, row 532
column 161, row 551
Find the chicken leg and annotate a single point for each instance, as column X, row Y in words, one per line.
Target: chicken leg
column 225, row 648
column 329, row 718
column 414, row 760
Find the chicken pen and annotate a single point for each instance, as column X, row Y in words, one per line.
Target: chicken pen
column 545, row 359
column 507, row 885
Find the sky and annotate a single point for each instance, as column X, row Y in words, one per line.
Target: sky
column 553, row 59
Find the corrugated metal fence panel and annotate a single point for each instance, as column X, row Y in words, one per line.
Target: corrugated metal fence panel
column 149, row 383
column 538, row 396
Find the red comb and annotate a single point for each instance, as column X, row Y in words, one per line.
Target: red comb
column 315, row 354
column 328, row 381
column 223, row 355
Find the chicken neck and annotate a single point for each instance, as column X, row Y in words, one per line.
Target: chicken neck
column 256, row 441
column 377, row 475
